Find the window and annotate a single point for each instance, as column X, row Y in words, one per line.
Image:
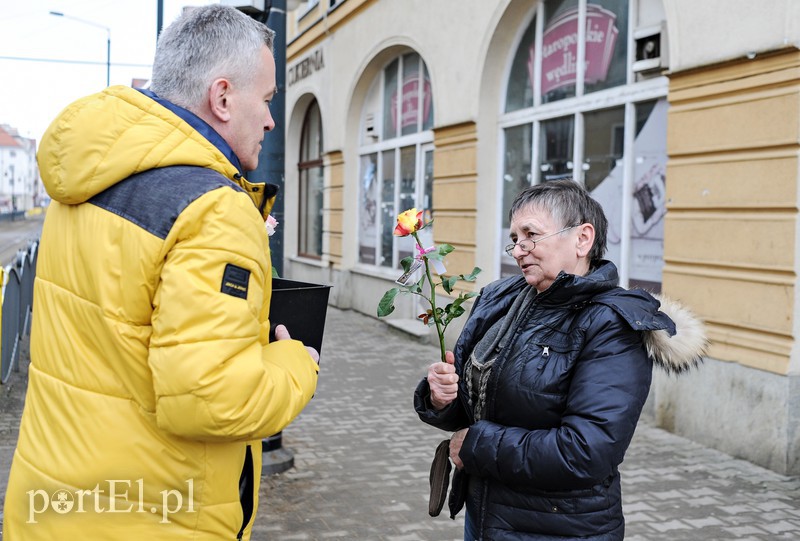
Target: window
column 556, row 140
column 559, row 50
column 396, row 159
column 557, row 123
column 516, row 177
column 311, row 184
column 603, row 140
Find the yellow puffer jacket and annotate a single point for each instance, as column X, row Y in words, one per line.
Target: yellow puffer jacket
column 152, row 379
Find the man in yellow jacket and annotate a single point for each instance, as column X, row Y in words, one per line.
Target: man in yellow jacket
column 152, row 378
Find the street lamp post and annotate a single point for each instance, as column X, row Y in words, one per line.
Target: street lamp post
column 108, row 39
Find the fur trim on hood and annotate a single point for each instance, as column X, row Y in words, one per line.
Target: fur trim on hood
column 683, row 351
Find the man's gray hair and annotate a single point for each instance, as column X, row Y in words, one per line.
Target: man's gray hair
column 568, row 204
column 202, row 45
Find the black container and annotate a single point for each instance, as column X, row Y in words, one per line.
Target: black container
column 301, row 307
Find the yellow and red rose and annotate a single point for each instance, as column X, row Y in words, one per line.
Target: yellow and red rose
column 408, row 222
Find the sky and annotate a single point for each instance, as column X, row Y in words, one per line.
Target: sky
column 47, row 62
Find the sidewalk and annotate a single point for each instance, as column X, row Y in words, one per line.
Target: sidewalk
column 362, row 458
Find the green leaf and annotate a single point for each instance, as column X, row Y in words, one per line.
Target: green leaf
column 386, row 306
column 448, row 283
column 444, row 249
column 471, row 277
column 406, row 263
column 455, row 308
column 440, row 252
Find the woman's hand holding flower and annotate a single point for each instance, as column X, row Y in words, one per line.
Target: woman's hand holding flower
column 443, row 382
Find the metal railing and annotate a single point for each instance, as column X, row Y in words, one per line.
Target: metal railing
column 17, row 304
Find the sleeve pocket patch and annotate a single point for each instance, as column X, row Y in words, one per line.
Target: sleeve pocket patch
column 235, row 281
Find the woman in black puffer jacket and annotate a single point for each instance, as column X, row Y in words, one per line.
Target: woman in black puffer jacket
column 546, row 383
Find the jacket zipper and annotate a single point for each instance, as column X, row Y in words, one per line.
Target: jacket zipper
column 545, row 355
column 246, row 491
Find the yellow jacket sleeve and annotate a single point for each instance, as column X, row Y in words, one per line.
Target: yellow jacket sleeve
column 215, row 375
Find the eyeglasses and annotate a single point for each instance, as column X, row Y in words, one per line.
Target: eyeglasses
column 529, row 245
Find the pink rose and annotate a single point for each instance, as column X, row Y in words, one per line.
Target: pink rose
column 271, row 224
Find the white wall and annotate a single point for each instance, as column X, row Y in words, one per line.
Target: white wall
column 705, row 32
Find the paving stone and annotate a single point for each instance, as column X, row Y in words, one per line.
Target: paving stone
column 780, row 527
column 671, row 525
column 744, row 530
column 705, row 522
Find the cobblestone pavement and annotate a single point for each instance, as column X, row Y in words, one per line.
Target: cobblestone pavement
column 362, row 457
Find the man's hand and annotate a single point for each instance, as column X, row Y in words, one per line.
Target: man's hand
column 443, row 382
column 281, row 333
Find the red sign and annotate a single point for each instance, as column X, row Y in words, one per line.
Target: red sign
column 560, row 48
column 410, row 110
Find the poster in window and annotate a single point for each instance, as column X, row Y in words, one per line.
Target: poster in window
column 648, row 201
column 560, row 48
column 369, row 210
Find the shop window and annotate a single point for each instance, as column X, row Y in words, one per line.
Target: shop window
column 396, row 168
column 606, row 50
column 368, row 213
column 390, row 100
column 559, row 54
column 603, row 45
column 648, row 205
column 556, row 140
column 311, row 184
column 519, row 93
column 407, row 106
column 603, row 140
column 557, row 125
column 516, row 177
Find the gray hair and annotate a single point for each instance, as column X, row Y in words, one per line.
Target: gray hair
column 568, row 203
column 202, row 45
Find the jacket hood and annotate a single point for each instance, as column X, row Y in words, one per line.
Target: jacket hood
column 673, row 335
column 683, row 350
column 106, row 137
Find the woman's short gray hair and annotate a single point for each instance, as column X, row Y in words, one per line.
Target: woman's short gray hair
column 568, row 203
column 202, row 45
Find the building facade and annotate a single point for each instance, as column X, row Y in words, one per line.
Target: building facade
column 19, row 174
column 684, row 124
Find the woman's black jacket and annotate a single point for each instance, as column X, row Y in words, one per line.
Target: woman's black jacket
column 563, row 400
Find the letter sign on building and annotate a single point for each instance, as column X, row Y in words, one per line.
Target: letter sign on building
column 305, row 67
